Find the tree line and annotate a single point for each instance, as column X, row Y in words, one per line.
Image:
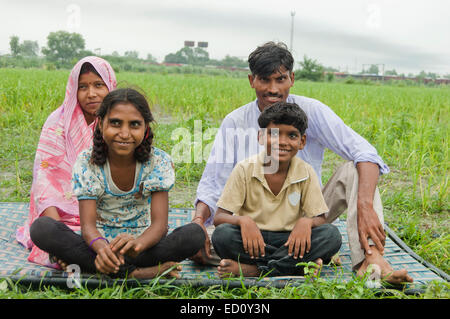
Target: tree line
column 64, row 49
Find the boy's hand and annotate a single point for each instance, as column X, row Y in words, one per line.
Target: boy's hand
column 251, row 237
column 299, row 240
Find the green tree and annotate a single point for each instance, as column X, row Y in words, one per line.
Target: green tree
column 310, row 70
column 29, row 48
column 63, row 47
column 14, row 45
column 373, row 69
column 390, row 72
column 151, row 58
column 233, row 61
column 187, row 55
column 131, row 54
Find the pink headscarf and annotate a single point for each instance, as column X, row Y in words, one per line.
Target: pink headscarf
column 64, row 135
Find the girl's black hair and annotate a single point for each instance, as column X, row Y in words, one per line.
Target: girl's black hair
column 269, row 58
column 284, row 113
column 125, row 95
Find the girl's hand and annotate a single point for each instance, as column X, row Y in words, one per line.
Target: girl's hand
column 251, row 237
column 106, row 261
column 126, row 244
column 299, row 240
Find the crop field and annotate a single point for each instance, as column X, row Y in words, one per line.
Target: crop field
column 409, row 126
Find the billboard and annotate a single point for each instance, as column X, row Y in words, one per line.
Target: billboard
column 189, row 43
column 202, row 44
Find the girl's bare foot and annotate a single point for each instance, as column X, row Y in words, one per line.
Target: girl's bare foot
column 154, row 271
column 388, row 274
column 62, row 264
column 231, row 268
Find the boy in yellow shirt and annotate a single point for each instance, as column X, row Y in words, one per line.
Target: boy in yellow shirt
column 270, row 215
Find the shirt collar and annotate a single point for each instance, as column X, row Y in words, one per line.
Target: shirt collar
column 297, row 170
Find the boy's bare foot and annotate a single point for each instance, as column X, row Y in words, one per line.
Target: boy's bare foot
column 154, row 271
column 319, row 263
column 231, row 268
column 336, row 260
column 388, row 274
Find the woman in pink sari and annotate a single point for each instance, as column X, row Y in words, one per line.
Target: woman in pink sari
column 67, row 131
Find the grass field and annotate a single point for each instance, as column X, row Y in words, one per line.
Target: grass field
column 407, row 125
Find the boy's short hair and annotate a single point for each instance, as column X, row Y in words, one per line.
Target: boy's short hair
column 269, row 57
column 284, row 113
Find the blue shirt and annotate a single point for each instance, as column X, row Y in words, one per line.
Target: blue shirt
column 237, row 140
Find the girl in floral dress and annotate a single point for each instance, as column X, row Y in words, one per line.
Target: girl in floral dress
column 122, row 185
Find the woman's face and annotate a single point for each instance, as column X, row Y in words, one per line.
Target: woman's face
column 91, row 91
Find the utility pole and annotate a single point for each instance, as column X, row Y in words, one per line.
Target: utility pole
column 292, row 30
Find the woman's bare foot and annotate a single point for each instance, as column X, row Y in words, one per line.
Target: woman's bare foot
column 231, row 268
column 388, row 274
column 154, row 271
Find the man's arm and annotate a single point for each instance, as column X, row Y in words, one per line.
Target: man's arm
column 369, row 225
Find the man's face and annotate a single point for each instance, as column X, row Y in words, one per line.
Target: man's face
column 273, row 88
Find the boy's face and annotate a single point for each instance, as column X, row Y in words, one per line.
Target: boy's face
column 273, row 88
column 283, row 141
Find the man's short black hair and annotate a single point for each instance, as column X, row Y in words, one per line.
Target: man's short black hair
column 269, row 58
column 284, row 113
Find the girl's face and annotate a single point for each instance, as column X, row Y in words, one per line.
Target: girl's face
column 123, row 129
column 90, row 94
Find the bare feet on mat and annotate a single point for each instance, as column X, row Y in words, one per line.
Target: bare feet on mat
column 319, row 263
column 336, row 260
column 154, row 271
column 388, row 274
column 62, row 264
column 231, row 268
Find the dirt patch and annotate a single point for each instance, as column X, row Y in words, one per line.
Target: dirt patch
column 183, row 195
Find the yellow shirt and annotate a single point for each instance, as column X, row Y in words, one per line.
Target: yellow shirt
column 247, row 193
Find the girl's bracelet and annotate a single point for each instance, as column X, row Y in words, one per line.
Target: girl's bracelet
column 95, row 239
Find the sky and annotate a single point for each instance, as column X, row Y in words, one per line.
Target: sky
column 405, row 35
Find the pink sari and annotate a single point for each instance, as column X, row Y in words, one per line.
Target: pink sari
column 64, row 135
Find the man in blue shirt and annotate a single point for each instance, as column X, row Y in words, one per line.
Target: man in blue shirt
column 352, row 187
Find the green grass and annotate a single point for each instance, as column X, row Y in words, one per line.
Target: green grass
column 407, row 125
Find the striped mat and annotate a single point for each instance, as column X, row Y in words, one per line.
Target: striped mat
column 14, row 264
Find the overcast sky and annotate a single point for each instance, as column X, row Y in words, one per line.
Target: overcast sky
column 406, row 35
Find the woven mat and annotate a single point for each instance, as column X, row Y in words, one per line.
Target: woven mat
column 14, row 264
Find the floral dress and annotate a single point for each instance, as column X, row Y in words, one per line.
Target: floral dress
column 119, row 211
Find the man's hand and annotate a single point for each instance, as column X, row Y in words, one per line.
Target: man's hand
column 202, row 213
column 369, row 226
column 299, row 240
column 251, row 237
column 203, row 254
